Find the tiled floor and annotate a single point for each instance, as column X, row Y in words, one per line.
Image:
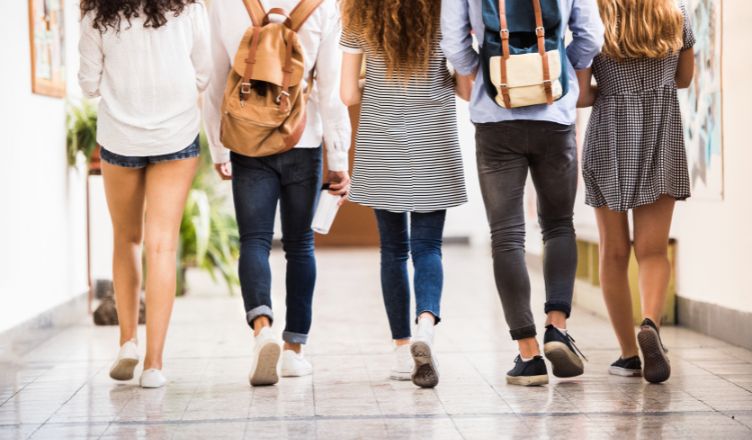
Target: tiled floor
column 61, row 389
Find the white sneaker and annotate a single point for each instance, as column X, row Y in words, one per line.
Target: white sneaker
column 152, row 378
column 295, row 365
column 426, row 373
column 403, row 365
column 122, row 368
column 265, row 359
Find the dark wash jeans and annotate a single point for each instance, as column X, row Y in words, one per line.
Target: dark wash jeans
column 293, row 179
column 505, row 152
column 422, row 239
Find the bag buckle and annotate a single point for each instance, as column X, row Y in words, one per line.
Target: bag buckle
column 245, row 88
column 540, row 31
column 504, row 33
column 279, row 97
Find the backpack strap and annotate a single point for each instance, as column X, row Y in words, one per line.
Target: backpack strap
column 302, row 12
column 504, row 34
column 540, row 32
column 255, row 11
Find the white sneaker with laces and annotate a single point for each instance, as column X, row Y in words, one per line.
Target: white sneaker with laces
column 122, row 368
column 403, row 365
column 152, row 378
column 295, row 365
column 426, row 372
column 265, row 359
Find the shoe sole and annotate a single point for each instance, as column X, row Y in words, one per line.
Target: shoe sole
column 123, row 369
column 425, row 374
column 528, row 381
column 657, row 367
column 624, row 372
column 266, row 366
column 286, row 373
column 565, row 362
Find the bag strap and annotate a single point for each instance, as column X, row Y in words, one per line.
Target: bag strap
column 255, row 11
column 504, row 34
column 302, row 12
column 540, row 32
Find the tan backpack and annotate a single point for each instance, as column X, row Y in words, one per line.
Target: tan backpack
column 263, row 111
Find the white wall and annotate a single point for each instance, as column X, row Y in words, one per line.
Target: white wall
column 714, row 246
column 42, row 200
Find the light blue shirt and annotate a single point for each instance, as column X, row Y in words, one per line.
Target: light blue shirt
column 458, row 17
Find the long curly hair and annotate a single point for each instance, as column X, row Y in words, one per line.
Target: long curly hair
column 404, row 31
column 111, row 13
column 642, row 28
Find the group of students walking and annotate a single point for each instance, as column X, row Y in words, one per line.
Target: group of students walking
column 149, row 60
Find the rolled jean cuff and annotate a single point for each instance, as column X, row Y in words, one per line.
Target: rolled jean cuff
column 523, row 332
column 259, row 311
column 436, row 316
column 558, row 307
column 294, row 338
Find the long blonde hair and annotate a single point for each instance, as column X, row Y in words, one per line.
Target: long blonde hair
column 403, row 30
column 641, row 28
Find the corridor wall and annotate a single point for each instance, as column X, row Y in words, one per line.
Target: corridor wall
column 42, row 199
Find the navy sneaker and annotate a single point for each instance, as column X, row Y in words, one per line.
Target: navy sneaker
column 530, row 373
column 629, row 367
column 657, row 367
column 560, row 350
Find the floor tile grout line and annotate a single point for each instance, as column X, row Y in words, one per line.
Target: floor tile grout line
column 65, row 402
column 370, row 417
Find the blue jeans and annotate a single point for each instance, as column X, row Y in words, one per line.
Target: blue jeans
column 293, row 179
column 423, row 242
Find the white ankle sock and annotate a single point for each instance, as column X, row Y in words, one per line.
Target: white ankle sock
column 563, row 330
column 524, row 359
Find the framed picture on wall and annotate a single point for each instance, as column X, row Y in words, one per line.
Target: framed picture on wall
column 47, row 37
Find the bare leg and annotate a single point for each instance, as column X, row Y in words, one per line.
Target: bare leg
column 652, row 224
column 614, row 262
column 167, row 186
column 528, row 347
column 557, row 318
column 124, row 189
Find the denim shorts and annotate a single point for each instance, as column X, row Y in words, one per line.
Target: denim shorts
column 111, row 158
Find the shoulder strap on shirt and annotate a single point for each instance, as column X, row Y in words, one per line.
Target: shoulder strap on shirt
column 302, row 12
column 255, row 11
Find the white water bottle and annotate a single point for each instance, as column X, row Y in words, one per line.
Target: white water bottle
column 326, row 211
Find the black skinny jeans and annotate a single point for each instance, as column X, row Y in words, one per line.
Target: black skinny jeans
column 505, row 153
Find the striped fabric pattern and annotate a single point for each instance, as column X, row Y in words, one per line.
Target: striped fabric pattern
column 407, row 152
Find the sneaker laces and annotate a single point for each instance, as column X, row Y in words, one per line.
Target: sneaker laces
column 571, row 340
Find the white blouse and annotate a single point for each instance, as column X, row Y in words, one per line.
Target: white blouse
column 149, row 81
column 328, row 121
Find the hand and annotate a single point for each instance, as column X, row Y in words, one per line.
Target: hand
column 224, row 170
column 339, row 184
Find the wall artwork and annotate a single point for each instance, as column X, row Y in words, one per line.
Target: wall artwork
column 47, row 35
column 701, row 103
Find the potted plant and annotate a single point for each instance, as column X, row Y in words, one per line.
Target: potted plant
column 81, row 136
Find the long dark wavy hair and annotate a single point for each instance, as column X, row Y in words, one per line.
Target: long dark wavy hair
column 111, row 13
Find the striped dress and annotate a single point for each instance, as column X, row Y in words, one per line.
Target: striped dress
column 407, row 156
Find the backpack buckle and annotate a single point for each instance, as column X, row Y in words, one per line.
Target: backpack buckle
column 540, row 31
column 281, row 94
column 245, row 88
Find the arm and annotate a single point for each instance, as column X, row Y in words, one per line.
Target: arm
column 464, row 86
column 350, row 91
column 686, row 69
column 457, row 41
column 214, row 95
column 588, row 92
column 92, row 58
column 334, row 116
column 201, row 51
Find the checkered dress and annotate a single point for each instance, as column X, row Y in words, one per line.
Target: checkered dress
column 634, row 145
